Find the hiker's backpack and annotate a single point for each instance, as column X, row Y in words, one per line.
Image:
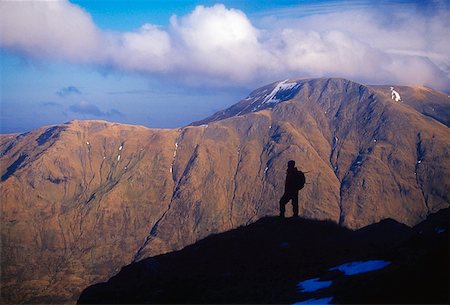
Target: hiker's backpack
column 300, row 180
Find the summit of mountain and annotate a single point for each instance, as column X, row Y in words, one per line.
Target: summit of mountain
column 424, row 99
column 80, row 200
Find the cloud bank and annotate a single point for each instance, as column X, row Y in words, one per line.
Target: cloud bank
column 215, row 45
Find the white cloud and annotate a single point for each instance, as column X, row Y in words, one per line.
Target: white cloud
column 403, row 46
column 220, row 42
column 217, row 44
column 146, row 50
column 50, row 29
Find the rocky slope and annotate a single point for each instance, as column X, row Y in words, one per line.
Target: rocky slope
column 266, row 262
column 81, row 199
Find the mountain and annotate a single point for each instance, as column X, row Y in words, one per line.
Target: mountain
column 79, row 200
column 270, row 260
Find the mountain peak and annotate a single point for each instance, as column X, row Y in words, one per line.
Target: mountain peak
column 269, row 96
column 336, row 90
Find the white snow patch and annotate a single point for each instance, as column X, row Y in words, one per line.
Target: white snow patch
column 104, row 158
column 326, row 300
column 281, row 86
column 270, row 126
column 312, row 285
column 174, row 155
column 118, row 158
column 420, row 161
column 361, row 267
column 88, row 143
column 395, row 95
column 265, row 171
column 120, row 148
column 374, row 140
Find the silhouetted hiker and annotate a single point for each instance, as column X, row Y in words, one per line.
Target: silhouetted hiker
column 295, row 180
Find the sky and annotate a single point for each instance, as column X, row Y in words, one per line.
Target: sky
column 165, row 64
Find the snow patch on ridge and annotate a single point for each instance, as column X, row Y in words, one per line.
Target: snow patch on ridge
column 274, row 96
column 174, row 155
column 395, row 95
column 313, row 285
column 283, row 91
column 361, row 267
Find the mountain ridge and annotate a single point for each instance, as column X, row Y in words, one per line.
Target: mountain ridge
column 91, row 196
column 442, row 115
column 264, row 262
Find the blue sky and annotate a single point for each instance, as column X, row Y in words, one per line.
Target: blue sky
column 168, row 63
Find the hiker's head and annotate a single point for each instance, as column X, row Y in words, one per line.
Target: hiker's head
column 291, row 164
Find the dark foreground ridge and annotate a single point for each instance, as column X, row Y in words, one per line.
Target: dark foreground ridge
column 265, row 261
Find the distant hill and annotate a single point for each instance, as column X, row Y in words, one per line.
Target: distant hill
column 266, row 261
column 79, row 200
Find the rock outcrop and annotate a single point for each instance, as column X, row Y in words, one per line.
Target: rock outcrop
column 81, row 199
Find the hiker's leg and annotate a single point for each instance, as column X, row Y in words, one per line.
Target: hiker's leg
column 284, row 199
column 295, row 204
